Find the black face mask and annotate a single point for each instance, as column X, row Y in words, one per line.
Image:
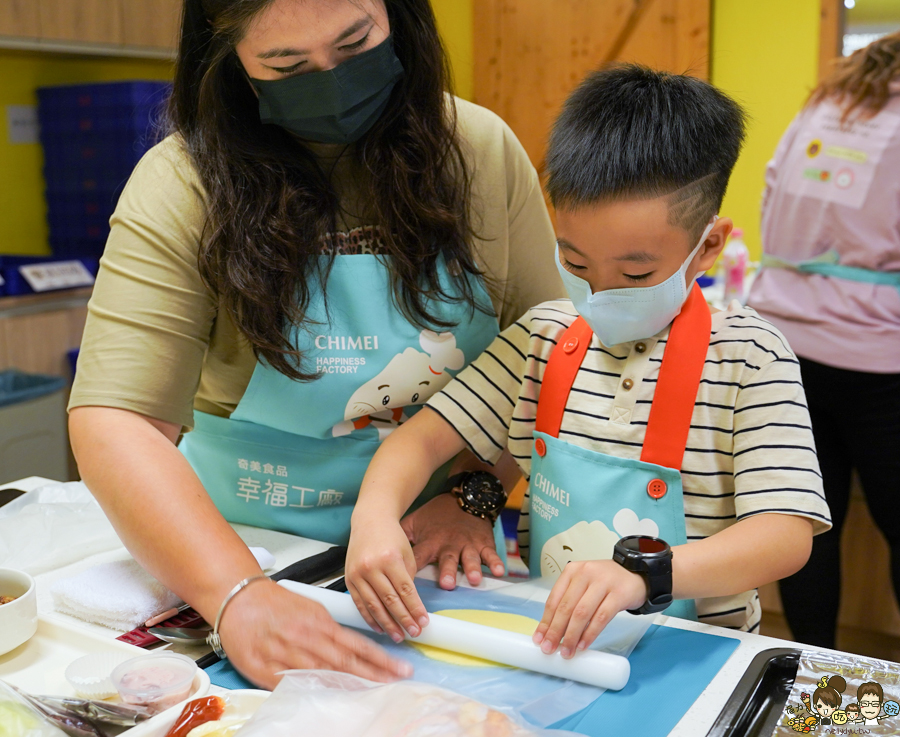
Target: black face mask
column 337, row 106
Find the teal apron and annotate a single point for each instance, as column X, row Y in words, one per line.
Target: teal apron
column 583, row 501
column 293, row 454
column 828, row 264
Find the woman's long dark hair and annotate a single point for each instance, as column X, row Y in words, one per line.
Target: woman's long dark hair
column 270, row 205
column 862, row 80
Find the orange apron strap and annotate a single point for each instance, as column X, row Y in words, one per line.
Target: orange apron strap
column 559, row 376
column 679, row 381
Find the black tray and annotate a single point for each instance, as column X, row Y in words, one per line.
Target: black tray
column 758, row 701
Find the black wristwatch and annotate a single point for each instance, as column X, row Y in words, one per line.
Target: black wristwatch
column 479, row 493
column 651, row 558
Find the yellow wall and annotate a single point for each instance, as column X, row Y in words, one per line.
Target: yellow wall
column 765, row 54
column 455, row 23
column 23, row 227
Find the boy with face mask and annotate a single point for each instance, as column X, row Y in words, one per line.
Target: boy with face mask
column 669, row 451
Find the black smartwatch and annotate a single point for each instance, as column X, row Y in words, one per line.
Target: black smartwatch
column 651, row 558
column 479, row 493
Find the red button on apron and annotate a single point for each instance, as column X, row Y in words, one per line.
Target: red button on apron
column 541, row 447
column 657, row 488
column 570, row 345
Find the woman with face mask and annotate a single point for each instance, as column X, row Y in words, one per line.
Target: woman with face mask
column 325, row 239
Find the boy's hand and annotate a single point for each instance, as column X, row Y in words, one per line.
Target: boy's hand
column 379, row 574
column 586, row 597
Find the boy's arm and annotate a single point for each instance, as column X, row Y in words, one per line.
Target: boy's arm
column 380, row 564
column 779, row 504
column 477, row 405
column 750, row 553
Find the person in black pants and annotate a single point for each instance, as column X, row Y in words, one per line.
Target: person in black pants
column 856, row 424
column 831, row 284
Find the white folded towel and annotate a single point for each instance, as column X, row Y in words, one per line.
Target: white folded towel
column 121, row 595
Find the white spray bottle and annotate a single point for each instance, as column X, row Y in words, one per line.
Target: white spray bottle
column 734, row 267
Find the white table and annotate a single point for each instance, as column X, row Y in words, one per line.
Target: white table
column 288, row 548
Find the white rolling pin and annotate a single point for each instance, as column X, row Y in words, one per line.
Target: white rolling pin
column 508, row 648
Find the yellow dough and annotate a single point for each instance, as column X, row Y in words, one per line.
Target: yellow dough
column 497, row 620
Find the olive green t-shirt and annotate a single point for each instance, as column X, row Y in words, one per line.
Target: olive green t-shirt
column 155, row 342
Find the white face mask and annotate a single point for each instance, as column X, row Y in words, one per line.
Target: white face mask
column 622, row 315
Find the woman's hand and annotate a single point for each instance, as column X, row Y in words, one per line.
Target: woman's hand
column 379, row 572
column 582, row 602
column 268, row 629
column 442, row 532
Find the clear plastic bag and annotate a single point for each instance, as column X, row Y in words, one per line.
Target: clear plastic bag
column 53, row 526
column 20, row 718
column 539, row 699
column 341, row 705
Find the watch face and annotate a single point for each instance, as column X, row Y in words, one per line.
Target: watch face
column 483, row 491
column 644, row 545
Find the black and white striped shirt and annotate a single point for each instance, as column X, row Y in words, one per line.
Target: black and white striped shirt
column 750, row 449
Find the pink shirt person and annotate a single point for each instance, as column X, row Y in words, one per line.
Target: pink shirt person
column 835, row 187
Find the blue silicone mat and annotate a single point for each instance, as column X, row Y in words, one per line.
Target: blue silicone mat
column 670, row 668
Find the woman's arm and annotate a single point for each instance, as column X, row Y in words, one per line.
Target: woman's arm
column 169, row 524
column 157, row 504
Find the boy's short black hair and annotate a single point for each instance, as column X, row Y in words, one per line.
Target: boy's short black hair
column 629, row 132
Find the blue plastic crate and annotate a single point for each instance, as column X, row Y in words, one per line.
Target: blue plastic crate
column 17, row 386
column 73, row 360
column 140, row 121
column 88, row 180
column 97, row 203
column 137, row 106
column 76, row 165
column 93, row 136
column 15, row 283
column 68, row 248
column 116, row 149
column 79, row 221
column 88, row 229
column 131, row 93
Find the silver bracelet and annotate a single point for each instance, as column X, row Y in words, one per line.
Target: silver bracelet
column 214, row 640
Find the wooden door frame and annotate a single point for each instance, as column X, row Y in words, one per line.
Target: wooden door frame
column 831, row 25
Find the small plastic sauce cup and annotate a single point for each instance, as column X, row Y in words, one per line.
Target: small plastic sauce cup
column 157, row 681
